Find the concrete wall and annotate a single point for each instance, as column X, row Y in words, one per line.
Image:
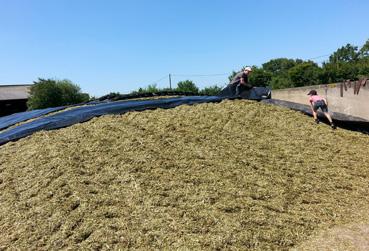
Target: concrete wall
column 340, row 99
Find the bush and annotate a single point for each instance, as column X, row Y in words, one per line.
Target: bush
column 149, row 89
column 280, row 82
column 211, row 91
column 51, row 93
column 307, row 73
column 260, row 77
column 187, row 86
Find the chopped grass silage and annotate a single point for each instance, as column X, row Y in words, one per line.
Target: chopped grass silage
column 78, row 106
column 234, row 175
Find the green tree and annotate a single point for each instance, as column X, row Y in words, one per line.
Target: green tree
column 363, row 67
column 340, row 71
column 348, row 53
column 280, row 65
column 71, row 93
column 364, row 50
column 187, row 86
column 260, row 77
column 152, row 88
column 307, row 73
column 149, row 89
column 211, row 91
column 348, row 62
column 280, row 82
column 329, row 74
column 51, row 93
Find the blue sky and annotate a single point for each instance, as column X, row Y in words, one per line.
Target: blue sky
column 118, row 45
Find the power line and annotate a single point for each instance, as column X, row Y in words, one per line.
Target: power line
column 219, row 74
column 320, row 56
column 155, row 82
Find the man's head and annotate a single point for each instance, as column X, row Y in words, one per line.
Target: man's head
column 247, row 69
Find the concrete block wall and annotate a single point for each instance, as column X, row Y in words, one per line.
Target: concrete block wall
column 341, row 97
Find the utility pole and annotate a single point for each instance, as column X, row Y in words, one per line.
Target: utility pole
column 170, row 81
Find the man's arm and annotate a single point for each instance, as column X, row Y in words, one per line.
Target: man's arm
column 245, row 83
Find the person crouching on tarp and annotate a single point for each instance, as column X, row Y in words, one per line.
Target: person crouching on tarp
column 241, row 81
column 317, row 102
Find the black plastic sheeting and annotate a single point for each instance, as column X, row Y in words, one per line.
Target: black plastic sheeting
column 341, row 120
column 255, row 93
column 117, row 96
column 15, row 118
column 85, row 113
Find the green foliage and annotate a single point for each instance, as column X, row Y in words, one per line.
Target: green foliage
column 183, row 86
column 149, row 89
column 260, row 77
column 51, row 93
column 346, row 53
column 71, row 93
column 339, row 72
column 211, row 91
column 152, row 88
column 307, row 73
column 280, row 65
column 363, row 67
column 187, row 86
column 280, row 82
column 364, row 51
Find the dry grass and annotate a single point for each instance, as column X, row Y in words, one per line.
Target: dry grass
column 234, row 175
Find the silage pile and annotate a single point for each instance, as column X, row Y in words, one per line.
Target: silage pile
column 233, row 175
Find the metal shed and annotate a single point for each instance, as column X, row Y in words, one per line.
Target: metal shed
column 13, row 98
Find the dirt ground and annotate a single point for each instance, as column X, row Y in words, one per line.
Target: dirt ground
column 237, row 175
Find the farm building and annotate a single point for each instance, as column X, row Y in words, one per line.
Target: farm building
column 13, row 98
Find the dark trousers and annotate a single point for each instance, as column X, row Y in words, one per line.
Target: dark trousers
column 240, row 89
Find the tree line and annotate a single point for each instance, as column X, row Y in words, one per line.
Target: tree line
column 347, row 63
column 182, row 86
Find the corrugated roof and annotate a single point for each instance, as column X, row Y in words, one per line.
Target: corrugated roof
column 13, row 92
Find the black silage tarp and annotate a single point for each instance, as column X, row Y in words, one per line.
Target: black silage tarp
column 255, row 93
column 85, row 113
column 15, row 118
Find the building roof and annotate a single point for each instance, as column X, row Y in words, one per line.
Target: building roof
column 14, row 92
